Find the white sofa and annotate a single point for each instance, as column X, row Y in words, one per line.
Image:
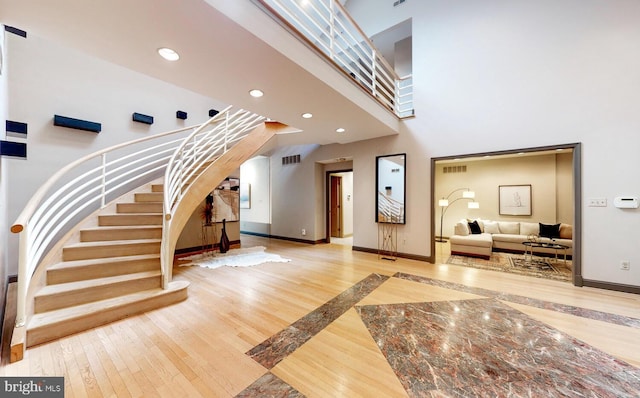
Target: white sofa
column 506, row 236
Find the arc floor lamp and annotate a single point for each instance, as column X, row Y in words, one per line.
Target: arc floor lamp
column 444, row 204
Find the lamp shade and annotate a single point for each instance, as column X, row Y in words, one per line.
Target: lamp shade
column 473, row 205
column 443, row 203
column 468, row 194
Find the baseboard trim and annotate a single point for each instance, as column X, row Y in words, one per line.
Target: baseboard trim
column 428, row 259
column 308, row 241
column 618, row 287
column 198, row 249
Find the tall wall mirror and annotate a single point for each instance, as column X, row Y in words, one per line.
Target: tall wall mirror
column 391, row 179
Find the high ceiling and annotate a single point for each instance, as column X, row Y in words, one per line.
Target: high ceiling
column 219, row 58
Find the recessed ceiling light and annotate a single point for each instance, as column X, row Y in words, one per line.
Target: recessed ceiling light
column 340, row 130
column 307, row 115
column 168, row 54
column 256, row 93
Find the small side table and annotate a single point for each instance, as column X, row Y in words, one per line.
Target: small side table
column 209, row 236
column 388, row 241
column 529, row 245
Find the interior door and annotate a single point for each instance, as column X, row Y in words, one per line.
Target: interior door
column 336, row 207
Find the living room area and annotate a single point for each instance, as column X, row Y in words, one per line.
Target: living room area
column 509, row 211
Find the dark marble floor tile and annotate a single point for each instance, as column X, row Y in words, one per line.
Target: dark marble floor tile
column 513, row 298
column 270, row 386
column 279, row 346
column 485, row 348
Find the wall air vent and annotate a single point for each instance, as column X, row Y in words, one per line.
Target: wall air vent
column 454, row 169
column 398, row 2
column 293, row 159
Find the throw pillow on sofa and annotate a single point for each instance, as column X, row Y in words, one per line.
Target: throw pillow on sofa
column 479, row 221
column 550, row 230
column 511, row 228
column 566, row 231
column 491, row 227
column 529, row 228
column 461, row 228
column 475, row 228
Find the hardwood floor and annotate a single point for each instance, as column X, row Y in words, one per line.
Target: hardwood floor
column 202, row 347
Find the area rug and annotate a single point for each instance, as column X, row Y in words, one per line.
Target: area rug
column 245, row 257
column 539, row 267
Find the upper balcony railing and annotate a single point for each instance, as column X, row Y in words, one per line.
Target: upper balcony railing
column 326, row 26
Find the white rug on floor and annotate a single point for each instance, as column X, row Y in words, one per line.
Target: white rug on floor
column 245, row 257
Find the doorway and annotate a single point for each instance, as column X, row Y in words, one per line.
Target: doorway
column 558, row 196
column 339, row 228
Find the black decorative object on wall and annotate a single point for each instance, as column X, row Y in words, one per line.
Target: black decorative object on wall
column 16, row 127
column 14, row 149
column 15, row 31
column 181, row 115
column 139, row 117
column 213, row 112
column 224, row 239
column 77, row 124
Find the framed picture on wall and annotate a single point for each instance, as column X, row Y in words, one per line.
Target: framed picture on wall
column 514, row 200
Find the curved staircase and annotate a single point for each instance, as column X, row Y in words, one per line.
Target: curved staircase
column 118, row 261
column 112, row 272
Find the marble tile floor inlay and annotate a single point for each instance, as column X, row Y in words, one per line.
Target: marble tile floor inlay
column 485, row 348
column 531, row 302
column 465, row 348
column 270, row 386
column 277, row 347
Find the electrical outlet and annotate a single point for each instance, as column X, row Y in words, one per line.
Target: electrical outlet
column 625, row 265
column 304, row 232
column 597, row 202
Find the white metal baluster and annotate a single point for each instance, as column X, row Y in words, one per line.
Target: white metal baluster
column 103, row 201
column 332, row 28
column 226, row 131
column 180, row 181
column 373, row 72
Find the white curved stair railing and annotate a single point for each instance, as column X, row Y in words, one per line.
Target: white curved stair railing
column 81, row 188
column 192, row 161
column 204, row 159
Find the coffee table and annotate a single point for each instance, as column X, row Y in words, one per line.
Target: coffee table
column 529, row 245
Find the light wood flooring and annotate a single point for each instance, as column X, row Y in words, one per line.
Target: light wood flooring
column 197, row 348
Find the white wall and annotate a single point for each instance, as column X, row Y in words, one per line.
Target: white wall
column 48, row 79
column 4, row 190
column 256, row 172
column 295, row 191
column 496, row 75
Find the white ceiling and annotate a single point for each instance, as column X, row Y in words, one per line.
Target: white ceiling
column 219, row 58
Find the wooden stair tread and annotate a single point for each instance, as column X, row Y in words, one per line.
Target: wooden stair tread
column 93, row 283
column 119, row 227
column 112, row 243
column 84, row 310
column 98, row 261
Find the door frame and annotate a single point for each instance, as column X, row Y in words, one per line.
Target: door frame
column 327, row 209
column 576, row 256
